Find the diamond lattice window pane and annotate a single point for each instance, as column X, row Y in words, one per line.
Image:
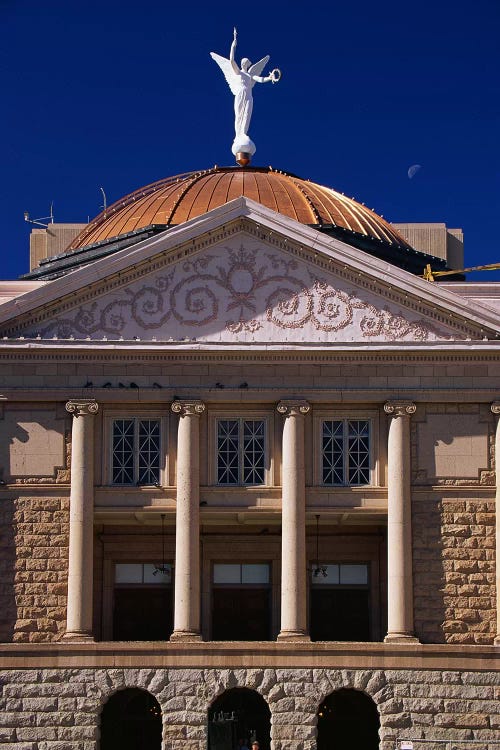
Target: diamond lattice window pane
column 149, row 451
column 123, row 451
column 227, row 451
column 346, row 452
column 333, row 452
column 253, row 451
column 359, row 452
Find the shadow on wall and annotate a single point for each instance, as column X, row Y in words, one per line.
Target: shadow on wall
column 14, row 556
column 8, row 608
column 429, row 578
column 16, row 432
column 452, row 550
column 452, row 446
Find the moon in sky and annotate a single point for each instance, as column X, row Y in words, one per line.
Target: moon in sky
column 413, row 170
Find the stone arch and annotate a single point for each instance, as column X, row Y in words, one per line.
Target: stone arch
column 348, row 717
column 237, row 717
column 131, row 719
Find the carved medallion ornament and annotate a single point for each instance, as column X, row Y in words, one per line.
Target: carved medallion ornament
column 243, row 295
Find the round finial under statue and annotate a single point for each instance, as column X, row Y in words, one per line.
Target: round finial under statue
column 243, row 158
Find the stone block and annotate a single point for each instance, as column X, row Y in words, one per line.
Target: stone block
column 7, row 734
column 35, row 734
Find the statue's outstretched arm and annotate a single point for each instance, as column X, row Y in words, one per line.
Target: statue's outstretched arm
column 261, row 79
column 231, row 53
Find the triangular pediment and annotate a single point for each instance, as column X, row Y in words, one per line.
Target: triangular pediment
column 242, row 274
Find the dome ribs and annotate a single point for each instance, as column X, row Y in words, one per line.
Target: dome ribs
column 283, row 197
column 333, row 208
column 372, row 226
column 353, row 220
column 219, row 191
column 184, row 192
column 95, row 231
column 267, row 196
column 251, row 187
column 197, row 199
column 235, row 188
column 177, row 199
column 318, row 216
column 150, row 208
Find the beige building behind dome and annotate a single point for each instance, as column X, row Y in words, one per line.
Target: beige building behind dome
column 435, row 239
column 248, row 480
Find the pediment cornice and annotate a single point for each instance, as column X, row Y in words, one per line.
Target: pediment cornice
column 260, row 227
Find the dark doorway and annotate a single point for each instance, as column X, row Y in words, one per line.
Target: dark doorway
column 239, row 715
column 241, row 602
column 142, row 614
column 348, row 719
column 131, row 720
column 241, row 614
column 340, row 614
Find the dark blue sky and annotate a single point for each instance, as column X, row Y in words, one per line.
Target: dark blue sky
column 120, row 94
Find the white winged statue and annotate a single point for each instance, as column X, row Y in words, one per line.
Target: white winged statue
column 241, row 82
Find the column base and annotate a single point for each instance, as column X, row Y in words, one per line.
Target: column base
column 400, row 638
column 185, row 636
column 496, row 641
column 78, row 637
column 294, row 636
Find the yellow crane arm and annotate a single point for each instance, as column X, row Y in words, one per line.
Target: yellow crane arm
column 429, row 274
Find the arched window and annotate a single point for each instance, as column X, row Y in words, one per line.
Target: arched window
column 131, row 720
column 348, row 718
column 237, row 718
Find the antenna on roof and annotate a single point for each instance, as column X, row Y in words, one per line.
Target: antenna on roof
column 39, row 222
column 105, row 201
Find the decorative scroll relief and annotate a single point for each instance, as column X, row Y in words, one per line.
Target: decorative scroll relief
column 238, row 294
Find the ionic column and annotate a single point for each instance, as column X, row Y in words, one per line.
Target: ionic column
column 81, row 521
column 293, row 534
column 187, row 526
column 399, row 540
column 495, row 408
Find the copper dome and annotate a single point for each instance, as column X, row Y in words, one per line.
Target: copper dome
column 174, row 200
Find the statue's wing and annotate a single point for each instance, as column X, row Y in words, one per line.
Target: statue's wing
column 257, row 68
column 225, row 65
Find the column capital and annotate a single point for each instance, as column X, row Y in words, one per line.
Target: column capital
column 495, row 407
column 82, row 407
column 400, row 408
column 188, row 408
column 293, row 408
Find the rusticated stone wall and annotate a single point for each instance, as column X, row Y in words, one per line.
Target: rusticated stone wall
column 33, row 568
column 454, row 568
column 60, row 709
